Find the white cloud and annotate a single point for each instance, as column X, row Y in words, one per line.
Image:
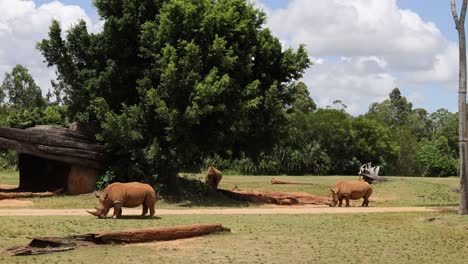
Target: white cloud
column 443, row 69
column 383, row 46
column 356, row 81
column 23, row 24
column 416, row 98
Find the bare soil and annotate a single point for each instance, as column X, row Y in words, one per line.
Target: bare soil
column 15, row 203
column 223, row 211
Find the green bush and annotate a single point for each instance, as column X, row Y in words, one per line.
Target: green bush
column 437, row 159
column 8, row 160
column 310, row 159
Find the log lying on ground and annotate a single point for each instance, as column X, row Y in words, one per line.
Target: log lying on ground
column 275, row 181
column 281, row 198
column 43, row 245
column 14, row 195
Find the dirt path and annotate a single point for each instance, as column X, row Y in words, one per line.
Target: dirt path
column 231, row 211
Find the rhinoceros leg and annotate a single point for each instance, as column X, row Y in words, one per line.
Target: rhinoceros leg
column 117, row 210
column 366, row 201
column 150, row 201
column 145, row 210
column 151, row 210
column 347, row 201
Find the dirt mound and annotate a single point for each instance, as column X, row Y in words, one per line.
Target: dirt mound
column 281, row 198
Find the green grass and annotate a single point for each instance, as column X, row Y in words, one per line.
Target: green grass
column 9, row 177
column 346, row 238
column 400, row 191
column 339, row 238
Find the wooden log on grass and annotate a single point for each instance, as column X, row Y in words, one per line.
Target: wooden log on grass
column 44, row 245
column 157, row 234
column 15, row 195
column 275, row 181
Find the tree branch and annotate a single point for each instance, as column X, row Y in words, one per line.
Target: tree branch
column 454, row 12
column 463, row 13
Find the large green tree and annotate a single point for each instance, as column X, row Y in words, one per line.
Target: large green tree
column 21, row 90
column 374, row 143
column 332, row 129
column 394, row 111
column 437, row 159
column 173, row 81
column 407, row 126
column 444, row 123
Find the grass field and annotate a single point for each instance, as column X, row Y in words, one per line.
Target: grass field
column 400, row 191
column 332, row 238
column 355, row 238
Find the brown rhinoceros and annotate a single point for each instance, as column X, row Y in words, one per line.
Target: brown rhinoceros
column 213, row 177
column 350, row 190
column 130, row 194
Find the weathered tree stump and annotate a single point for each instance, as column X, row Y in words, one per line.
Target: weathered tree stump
column 44, row 245
column 281, row 198
column 370, row 174
column 275, row 181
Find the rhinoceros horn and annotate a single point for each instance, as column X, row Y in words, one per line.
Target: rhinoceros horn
column 97, row 213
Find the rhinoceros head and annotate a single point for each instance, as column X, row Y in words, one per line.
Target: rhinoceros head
column 99, row 212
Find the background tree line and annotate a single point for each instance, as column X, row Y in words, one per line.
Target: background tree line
column 176, row 85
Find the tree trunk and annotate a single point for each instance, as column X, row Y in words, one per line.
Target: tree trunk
column 462, row 127
column 157, row 234
column 275, row 181
column 14, row 195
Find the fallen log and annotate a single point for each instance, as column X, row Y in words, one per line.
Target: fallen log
column 44, row 245
column 32, row 149
column 50, row 137
column 281, row 198
column 14, row 195
column 373, row 178
column 157, row 234
column 275, row 181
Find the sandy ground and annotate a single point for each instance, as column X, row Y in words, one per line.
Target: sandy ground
column 231, row 211
column 15, row 203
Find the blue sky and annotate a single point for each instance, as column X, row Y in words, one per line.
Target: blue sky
column 361, row 49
